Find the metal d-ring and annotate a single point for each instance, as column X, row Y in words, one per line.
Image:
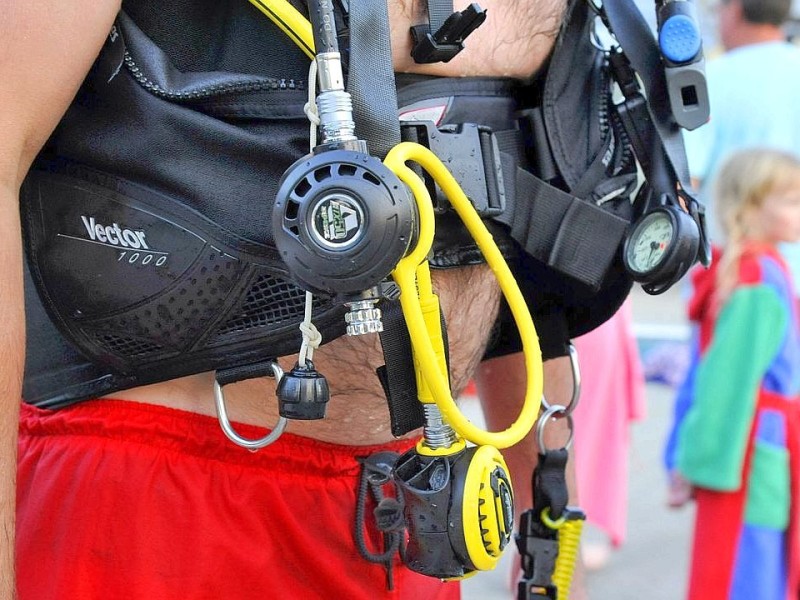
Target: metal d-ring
column 544, row 418
column 230, row 432
column 576, row 384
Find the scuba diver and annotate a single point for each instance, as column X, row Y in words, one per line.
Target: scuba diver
column 235, row 253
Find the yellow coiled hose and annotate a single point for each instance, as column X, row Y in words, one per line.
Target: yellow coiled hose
column 569, row 527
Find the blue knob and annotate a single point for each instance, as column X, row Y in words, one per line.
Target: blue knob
column 679, row 38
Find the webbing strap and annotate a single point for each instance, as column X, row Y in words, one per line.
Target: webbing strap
column 371, row 79
column 571, row 235
column 438, row 12
column 567, row 233
column 397, row 376
column 241, row 373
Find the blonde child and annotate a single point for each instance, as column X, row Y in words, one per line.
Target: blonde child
column 738, row 443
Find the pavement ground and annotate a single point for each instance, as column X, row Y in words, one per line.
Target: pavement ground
column 653, row 562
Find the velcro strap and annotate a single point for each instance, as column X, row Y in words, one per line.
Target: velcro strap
column 570, row 235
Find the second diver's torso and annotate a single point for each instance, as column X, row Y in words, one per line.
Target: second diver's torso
column 514, row 42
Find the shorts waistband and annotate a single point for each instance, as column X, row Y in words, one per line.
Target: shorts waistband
column 200, row 435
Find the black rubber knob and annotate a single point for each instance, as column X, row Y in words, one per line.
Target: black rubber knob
column 303, row 393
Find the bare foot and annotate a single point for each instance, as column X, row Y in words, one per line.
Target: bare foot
column 595, row 555
column 680, row 490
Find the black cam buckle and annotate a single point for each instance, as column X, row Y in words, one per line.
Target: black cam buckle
column 632, row 110
column 448, row 40
column 471, row 154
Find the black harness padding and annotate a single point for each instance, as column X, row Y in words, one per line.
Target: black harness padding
column 174, row 145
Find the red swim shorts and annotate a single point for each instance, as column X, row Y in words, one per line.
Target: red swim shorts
column 123, row 500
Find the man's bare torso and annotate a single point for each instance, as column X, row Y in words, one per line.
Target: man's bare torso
column 513, row 42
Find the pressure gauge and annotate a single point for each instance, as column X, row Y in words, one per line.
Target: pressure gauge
column 649, row 242
column 660, row 247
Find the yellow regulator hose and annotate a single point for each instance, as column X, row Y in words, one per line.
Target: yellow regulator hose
column 412, row 275
column 290, row 21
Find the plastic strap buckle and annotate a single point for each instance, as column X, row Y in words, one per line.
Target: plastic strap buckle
column 472, row 155
column 448, row 40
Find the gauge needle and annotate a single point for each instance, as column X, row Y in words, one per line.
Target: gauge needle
column 653, row 248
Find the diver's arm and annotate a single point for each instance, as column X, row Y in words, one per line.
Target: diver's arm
column 45, row 50
column 11, row 362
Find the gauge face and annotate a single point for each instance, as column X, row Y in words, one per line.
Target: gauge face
column 649, row 242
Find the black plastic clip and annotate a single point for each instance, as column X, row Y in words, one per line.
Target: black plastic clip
column 537, row 543
column 472, row 155
column 632, row 110
column 448, row 40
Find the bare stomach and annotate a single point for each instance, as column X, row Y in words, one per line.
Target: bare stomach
column 513, row 42
column 357, row 412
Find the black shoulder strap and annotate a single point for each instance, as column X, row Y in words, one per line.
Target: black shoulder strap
column 641, row 48
column 371, row 78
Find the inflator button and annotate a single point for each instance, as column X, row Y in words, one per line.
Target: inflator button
column 303, row 393
column 680, row 39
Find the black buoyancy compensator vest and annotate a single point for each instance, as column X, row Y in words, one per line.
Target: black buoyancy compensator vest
column 147, row 215
column 563, row 200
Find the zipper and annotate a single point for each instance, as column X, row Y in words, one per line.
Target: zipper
column 253, row 85
column 610, row 123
